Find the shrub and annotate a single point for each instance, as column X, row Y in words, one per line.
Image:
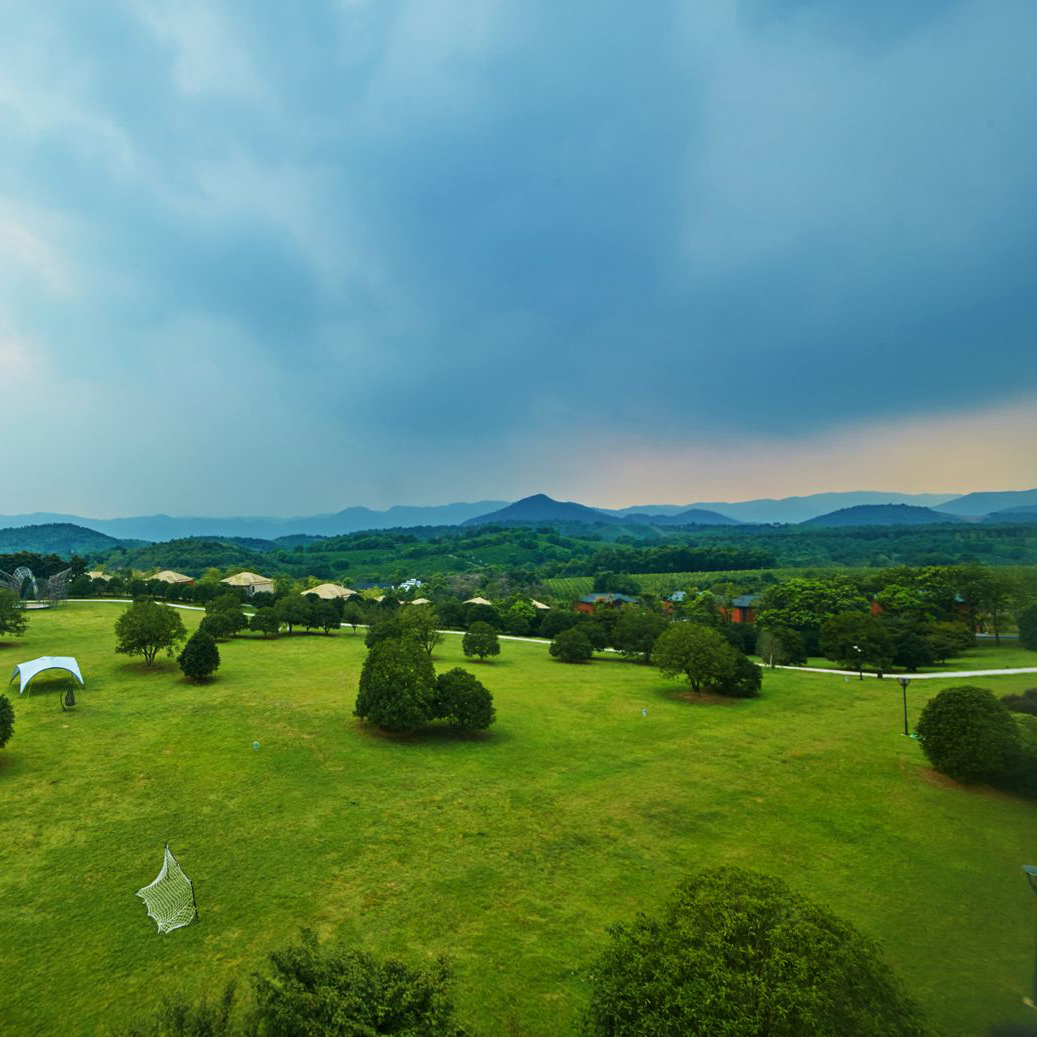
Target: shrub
column 6, row 720
column 320, row 992
column 969, row 736
column 179, row 1017
column 572, row 646
column 397, row 685
column 1028, row 628
column 736, row 952
column 911, row 650
column 200, row 657
column 744, row 680
column 462, row 700
column 481, row 640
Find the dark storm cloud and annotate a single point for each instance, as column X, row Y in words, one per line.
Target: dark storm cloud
column 526, row 216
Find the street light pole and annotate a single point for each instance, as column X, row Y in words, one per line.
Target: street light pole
column 904, row 682
column 1031, row 875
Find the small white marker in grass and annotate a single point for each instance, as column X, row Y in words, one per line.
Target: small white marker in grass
column 644, row 712
column 255, row 745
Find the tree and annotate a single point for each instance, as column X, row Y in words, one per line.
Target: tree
column 969, row 736
column 293, row 610
column 200, row 657
column 737, row 952
column 636, row 631
column 855, row 640
column 806, row 604
column 519, row 618
column 948, row 638
column 13, row 620
column 1027, row 628
column 397, row 685
column 696, row 652
column 265, row 621
column 179, row 1017
column 481, row 640
column 146, row 628
column 326, row 993
column 223, row 624
column 6, row 720
column 353, row 614
column 556, row 621
column 999, row 594
column 422, row 623
column 327, row 617
column 572, row 646
column 910, row 650
column 461, row 699
column 781, row 646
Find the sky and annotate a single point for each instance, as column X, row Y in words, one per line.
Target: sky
column 262, row 258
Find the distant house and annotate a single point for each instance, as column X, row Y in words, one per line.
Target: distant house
column 168, row 576
column 477, row 601
column 741, row 609
column 251, row 583
column 409, row 585
column 330, row 591
column 588, row 602
column 677, row 597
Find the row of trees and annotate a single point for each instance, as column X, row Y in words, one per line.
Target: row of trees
column 732, row 952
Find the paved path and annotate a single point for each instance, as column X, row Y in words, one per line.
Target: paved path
column 541, row 641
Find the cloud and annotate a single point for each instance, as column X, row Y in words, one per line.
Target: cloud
column 504, row 233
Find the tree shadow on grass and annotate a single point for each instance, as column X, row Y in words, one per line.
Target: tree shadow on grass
column 435, row 734
column 697, row 698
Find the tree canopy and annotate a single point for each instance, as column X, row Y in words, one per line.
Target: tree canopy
column 146, row 628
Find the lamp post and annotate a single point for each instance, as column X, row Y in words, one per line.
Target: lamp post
column 904, row 682
column 1031, row 875
column 860, row 662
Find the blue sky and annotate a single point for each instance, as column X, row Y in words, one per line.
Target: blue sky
column 257, row 259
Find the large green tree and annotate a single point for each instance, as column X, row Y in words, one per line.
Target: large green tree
column 13, row 620
column 856, row 640
column 147, row 628
column 636, row 632
column 462, row 700
column 480, row 640
column 397, row 686
column 737, row 952
column 200, row 657
column 698, row 653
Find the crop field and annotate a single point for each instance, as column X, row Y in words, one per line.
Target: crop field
column 508, row 852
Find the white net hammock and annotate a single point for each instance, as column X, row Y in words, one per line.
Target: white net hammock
column 170, row 898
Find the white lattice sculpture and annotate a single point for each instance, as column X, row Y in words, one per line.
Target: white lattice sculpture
column 170, row 898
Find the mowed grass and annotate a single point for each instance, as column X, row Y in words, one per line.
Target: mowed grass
column 510, row 853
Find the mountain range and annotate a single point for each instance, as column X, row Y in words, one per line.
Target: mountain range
column 1006, row 506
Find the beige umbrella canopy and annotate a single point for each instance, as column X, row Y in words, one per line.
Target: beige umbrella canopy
column 330, row 591
column 478, row 601
column 168, row 576
column 418, row 601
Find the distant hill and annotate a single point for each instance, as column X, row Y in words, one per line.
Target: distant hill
column 189, row 555
column 1026, row 514
column 691, row 517
column 881, row 515
column 60, row 538
column 766, row 510
column 541, row 508
column 976, row 505
column 350, row 520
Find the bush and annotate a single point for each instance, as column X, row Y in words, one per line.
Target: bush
column 319, row 992
column 572, row 646
column 911, row 650
column 462, row 700
column 397, row 686
column 744, row 681
column 200, row 657
column 481, row 640
column 1028, row 628
column 178, row 1017
column 739, row 953
column 969, row 736
column 6, row 720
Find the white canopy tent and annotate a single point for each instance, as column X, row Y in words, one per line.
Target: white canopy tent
column 28, row 671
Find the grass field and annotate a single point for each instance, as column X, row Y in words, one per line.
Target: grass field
column 509, row 852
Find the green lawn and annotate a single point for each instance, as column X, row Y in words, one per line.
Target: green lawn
column 510, row 853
